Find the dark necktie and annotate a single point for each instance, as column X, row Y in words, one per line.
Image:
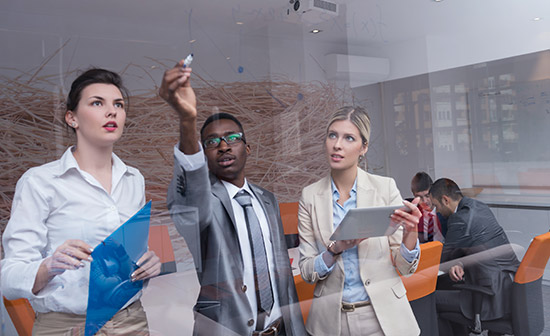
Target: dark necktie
column 261, row 271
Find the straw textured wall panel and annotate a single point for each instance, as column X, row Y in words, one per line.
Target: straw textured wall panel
column 284, row 124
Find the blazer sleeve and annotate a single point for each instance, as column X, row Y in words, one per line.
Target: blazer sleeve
column 406, row 268
column 308, row 243
column 456, row 239
column 189, row 201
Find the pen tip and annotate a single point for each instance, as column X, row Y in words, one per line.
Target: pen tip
column 192, row 55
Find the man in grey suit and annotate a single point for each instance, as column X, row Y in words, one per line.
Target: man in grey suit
column 476, row 251
column 242, row 292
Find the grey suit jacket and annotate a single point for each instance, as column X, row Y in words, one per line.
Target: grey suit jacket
column 201, row 209
column 475, row 236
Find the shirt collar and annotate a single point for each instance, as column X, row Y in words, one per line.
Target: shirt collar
column 336, row 194
column 68, row 162
column 232, row 189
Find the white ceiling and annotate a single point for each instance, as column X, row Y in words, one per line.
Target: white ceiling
column 416, row 35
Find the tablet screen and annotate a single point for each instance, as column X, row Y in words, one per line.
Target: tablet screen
column 366, row 222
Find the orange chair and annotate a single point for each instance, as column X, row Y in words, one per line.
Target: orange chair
column 424, row 280
column 289, row 216
column 305, row 295
column 159, row 241
column 22, row 315
column 421, row 287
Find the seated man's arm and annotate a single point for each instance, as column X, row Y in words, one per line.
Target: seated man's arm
column 457, row 238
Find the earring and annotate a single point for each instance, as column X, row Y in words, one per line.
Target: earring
column 73, row 125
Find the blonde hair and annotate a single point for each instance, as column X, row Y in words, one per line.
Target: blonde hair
column 357, row 116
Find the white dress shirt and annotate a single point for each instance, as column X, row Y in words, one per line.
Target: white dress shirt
column 56, row 202
column 196, row 161
column 426, row 217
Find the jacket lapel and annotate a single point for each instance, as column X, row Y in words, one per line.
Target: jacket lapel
column 323, row 210
column 365, row 198
column 267, row 207
column 221, row 193
column 365, row 193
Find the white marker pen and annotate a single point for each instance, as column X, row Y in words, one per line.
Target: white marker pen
column 188, row 60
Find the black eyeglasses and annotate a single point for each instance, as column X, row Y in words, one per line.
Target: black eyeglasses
column 230, row 139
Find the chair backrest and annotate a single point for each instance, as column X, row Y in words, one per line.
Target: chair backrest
column 424, row 280
column 159, row 241
column 527, row 305
column 289, row 216
column 305, row 295
column 21, row 315
column 534, row 261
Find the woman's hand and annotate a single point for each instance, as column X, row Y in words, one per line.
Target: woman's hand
column 338, row 247
column 68, row 256
column 342, row 245
column 149, row 267
column 176, row 90
column 408, row 218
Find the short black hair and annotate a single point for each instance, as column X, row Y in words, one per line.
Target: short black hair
column 93, row 76
column 220, row 116
column 447, row 187
column 420, row 182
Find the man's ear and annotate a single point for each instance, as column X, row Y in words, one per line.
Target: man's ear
column 247, row 149
column 446, row 200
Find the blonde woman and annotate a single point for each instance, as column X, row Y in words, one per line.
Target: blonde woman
column 357, row 288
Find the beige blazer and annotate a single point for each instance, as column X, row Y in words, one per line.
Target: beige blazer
column 379, row 259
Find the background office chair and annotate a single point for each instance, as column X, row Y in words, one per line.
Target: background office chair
column 527, row 317
column 21, row 314
column 421, row 288
column 289, row 217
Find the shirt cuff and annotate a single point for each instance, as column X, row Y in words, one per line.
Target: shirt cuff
column 320, row 267
column 189, row 162
column 408, row 254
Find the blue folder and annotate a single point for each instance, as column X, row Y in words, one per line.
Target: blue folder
column 114, row 260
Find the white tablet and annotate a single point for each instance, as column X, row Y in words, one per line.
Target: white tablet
column 366, row 222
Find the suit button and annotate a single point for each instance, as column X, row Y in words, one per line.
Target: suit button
column 250, row 322
column 367, row 282
column 243, row 288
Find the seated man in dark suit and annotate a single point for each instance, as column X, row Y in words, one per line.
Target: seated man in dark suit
column 232, row 227
column 476, row 251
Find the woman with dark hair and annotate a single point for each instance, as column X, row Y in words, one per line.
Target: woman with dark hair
column 64, row 208
column 357, row 288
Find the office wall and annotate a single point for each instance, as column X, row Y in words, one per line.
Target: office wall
column 484, row 126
